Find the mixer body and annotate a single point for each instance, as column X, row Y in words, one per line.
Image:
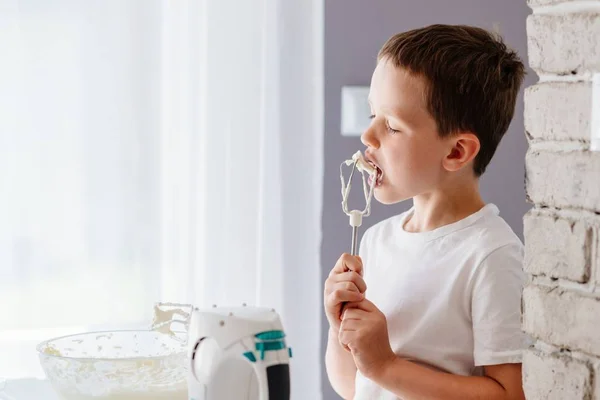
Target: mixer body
column 238, row 353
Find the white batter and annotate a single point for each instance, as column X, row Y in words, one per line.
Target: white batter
column 113, row 373
column 171, row 394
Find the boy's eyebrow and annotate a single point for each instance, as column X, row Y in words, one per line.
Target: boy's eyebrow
column 394, row 112
column 399, row 116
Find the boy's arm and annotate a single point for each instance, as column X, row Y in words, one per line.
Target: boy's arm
column 364, row 330
column 340, row 366
column 412, row 381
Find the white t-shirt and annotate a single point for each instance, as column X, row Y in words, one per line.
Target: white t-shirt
column 451, row 296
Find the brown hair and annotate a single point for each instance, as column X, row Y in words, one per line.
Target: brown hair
column 472, row 80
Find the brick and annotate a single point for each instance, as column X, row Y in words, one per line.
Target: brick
column 562, row 318
column 564, row 44
column 537, row 3
column 557, row 248
column 596, row 381
column 555, row 377
column 558, row 111
column 563, row 179
column 596, row 255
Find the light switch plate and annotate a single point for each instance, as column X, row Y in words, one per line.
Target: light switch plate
column 355, row 110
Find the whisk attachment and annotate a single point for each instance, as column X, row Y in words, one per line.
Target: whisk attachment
column 359, row 163
column 168, row 315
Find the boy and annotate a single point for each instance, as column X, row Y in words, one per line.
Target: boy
column 435, row 313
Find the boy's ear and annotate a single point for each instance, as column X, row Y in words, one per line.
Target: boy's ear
column 464, row 147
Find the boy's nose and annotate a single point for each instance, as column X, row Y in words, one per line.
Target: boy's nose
column 369, row 138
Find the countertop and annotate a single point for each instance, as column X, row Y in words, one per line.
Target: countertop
column 27, row 389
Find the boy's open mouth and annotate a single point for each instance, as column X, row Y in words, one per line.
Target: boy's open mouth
column 378, row 174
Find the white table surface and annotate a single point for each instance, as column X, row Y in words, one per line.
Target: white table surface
column 27, row 389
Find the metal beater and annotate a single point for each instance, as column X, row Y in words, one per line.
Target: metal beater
column 359, row 163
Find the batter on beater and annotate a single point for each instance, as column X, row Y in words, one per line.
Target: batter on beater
column 431, row 306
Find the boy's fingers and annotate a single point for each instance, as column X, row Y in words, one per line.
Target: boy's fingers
column 346, row 337
column 350, row 324
column 353, row 313
column 353, row 277
column 348, row 263
column 365, row 305
column 342, row 285
column 342, row 296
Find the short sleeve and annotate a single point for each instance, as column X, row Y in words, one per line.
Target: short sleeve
column 496, row 307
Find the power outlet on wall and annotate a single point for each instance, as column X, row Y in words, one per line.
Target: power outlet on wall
column 355, row 110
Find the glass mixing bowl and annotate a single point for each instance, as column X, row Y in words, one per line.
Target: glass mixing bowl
column 116, row 365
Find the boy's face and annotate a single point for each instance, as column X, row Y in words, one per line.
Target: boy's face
column 402, row 139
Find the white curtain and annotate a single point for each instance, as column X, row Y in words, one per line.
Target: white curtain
column 159, row 150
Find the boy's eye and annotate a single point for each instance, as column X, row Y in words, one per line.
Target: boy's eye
column 390, row 129
column 387, row 125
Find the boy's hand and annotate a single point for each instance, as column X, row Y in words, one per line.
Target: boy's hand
column 344, row 284
column 364, row 331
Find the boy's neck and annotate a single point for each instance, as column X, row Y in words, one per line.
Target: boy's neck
column 444, row 206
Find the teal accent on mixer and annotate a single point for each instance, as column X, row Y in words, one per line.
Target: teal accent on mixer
column 250, row 356
column 269, row 346
column 259, row 346
column 270, row 341
column 270, row 335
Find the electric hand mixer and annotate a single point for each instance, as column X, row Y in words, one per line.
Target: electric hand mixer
column 241, row 353
column 359, row 163
column 235, row 353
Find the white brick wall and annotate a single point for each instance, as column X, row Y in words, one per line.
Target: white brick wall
column 595, row 255
column 561, row 303
column 558, row 111
column 533, row 3
column 564, row 44
column 564, row 179
column 560, row 247
column 555, row 377
column 562, row 318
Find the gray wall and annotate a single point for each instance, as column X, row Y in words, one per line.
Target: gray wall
column 354, row 32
